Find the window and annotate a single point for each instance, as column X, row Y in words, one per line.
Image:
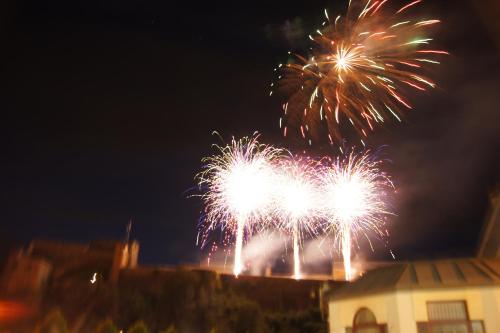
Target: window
column 477, row 326
column 447, row 311
column 423, row 327
column 449, row 328
column 365, row 322
column 364, row 316
column 449, row 317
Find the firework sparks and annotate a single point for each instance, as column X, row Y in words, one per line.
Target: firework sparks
column 249, row 187
column 296, row 201
column 362, row 67
column 355, row 191
column 239, row 185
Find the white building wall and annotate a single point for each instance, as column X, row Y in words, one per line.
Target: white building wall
column 491, row 308
column 406, row 312
column 401, row 310
column 483, row 303
column 384, row 306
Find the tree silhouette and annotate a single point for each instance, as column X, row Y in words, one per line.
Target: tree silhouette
column 106, row 326
column 53, row 322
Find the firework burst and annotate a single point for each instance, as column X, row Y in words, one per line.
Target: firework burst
column 249, row 187
column 355, row 194
column 361, row 68
column 296, row 201
column 238, row 184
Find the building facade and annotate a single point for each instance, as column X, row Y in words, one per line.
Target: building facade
column 27, row 271
column 446, row 296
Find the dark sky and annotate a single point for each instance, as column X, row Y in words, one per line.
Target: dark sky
column 108, row 107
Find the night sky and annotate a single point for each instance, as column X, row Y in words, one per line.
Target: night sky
column 108, row 107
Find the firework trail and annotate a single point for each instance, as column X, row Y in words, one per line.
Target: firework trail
column 362, row 66
column 355, row 194
column 296, row 202
column 238, row 184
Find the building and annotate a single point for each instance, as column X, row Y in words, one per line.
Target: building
column 26, row 276
column 489, row 245
column 443, row 296
column 27, row 271
column 438, row 296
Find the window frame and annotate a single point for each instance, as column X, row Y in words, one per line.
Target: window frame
column 382, row 328
column 478, row 321
column 467, row 321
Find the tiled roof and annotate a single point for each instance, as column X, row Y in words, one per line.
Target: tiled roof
column 424, row 274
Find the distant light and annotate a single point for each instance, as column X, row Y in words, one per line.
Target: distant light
column 94, row 278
